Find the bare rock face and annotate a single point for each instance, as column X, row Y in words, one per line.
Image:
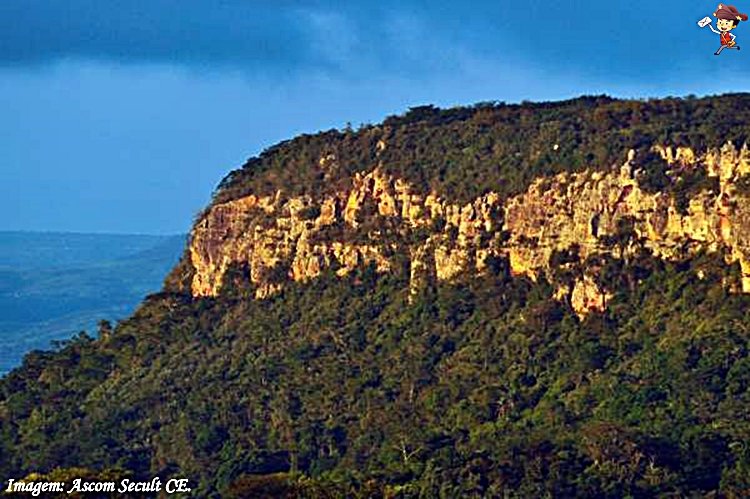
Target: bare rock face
column 590, row 211
column 281, row 238
column 587, row 297
column 277, row 236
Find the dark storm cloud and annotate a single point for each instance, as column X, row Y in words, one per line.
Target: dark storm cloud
column 352, row 39
column 181, row 31
column 363, row 39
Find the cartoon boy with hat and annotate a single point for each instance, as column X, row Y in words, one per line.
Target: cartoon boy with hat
column 727, row 18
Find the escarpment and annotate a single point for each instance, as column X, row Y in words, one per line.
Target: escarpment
column 281, row 238
column 278, row 238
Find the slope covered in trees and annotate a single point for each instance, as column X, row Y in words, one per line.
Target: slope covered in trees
column 463, row 152
column 484, row 386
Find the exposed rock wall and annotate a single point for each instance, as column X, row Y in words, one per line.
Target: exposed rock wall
column 274, row 234
column 279, row 237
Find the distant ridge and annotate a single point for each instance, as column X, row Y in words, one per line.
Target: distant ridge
column 32, row 249
column 55, row 284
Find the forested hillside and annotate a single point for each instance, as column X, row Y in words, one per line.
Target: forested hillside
column 322, row 337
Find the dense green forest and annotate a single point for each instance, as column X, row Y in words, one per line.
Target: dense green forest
column 466, row 151
column 483, row 387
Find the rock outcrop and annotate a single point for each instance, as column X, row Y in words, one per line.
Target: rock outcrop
column 278, row 238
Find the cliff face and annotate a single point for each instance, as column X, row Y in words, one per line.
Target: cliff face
column 279, row 237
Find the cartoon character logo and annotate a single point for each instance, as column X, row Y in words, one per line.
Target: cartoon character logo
column 727, row 18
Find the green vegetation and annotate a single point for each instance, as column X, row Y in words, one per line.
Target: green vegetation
column 463, row 152
column 484, row 387
column 477, row 388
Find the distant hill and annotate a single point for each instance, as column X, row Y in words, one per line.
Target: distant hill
column 53, row 285
column 21, row 250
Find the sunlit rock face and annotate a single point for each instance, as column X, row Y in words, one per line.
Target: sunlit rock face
column 281, row 238
column 275, row 235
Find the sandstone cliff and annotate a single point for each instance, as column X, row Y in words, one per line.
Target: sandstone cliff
column 280, row 237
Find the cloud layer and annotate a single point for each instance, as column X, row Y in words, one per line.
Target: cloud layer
column 182, row 31
column 356, row 38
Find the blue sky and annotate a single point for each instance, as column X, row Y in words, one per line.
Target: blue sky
column 122, row 116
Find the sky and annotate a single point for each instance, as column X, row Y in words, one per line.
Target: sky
column 123, row 116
